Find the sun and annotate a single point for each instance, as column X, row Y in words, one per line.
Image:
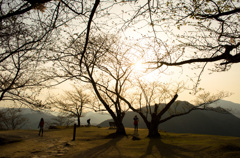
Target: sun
column 139, row 66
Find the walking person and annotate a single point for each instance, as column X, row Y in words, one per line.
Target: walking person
column 135, row 122
column 41, row 125
column 88, row 121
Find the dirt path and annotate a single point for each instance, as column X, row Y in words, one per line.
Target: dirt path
column 29, row 144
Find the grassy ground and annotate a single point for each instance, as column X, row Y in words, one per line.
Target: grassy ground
column 95, row 142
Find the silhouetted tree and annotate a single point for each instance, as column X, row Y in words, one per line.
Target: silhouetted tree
column 108, row 73
column 62, row 120
column 27, row 29
column 188, row 31
column 12, row 118
column 23, row 37
column 192, row 31
column 106, row 67
column 30, row 28
column 157, row 104
column 72, row 102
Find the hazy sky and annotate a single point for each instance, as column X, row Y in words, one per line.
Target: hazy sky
column 227, row 81
column 218, row 81
column 215, row 82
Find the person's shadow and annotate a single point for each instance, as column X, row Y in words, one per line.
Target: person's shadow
column 165, row 150
column 102, row 150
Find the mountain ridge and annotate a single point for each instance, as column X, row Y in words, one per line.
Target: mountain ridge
column 197, row 122
column 34, row 117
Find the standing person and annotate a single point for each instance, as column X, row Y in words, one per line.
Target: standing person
column 135, row 122
column 88, row 121
column 41, row 125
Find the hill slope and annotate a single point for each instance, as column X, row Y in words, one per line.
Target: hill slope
column 233, row 108
column 93, row 142
column 198, row 122
column 35, row 116
column 96, row 118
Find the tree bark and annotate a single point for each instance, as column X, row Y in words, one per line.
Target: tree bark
column 153, row 129
column 79, row 123
column 120, row 128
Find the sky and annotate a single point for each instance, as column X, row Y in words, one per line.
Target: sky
column 227, row 81
column 224, row 81
column 215, row 82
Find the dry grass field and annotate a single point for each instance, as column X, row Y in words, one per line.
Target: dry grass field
column 92, row 142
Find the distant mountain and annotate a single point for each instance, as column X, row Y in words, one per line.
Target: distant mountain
column 198, row 122
column 34, row 117
column 233, row 108
column 96, row 118
column 202, row 122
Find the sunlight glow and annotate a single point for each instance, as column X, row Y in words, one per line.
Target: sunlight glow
column 140, row 67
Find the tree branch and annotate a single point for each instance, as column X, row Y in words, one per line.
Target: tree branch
column 225, row 56
column 88, row 29
column 18, row 12
column 216, row 16
column 168, row 105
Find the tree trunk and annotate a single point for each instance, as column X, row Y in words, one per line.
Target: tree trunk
column 120, row 128
column 153, row 129
column 79, row 123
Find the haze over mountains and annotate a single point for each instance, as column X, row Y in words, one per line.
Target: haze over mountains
column 233, row 108
column 49, row 118
column 199, row 121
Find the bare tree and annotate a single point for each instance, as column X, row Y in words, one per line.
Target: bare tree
column 151, row 113
column 27, row 29
column 203, row 31
column 188, row 31
column 185, row 32
column 157, row 104
column 111, row 65
column 72, row 102
column 62, row 120
column 106, row 67
column 23, row 37
column 15, row 8
column 12, row 118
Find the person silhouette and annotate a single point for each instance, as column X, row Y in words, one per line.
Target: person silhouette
column 88, row 121
column 40, row 126
column 135, row 122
